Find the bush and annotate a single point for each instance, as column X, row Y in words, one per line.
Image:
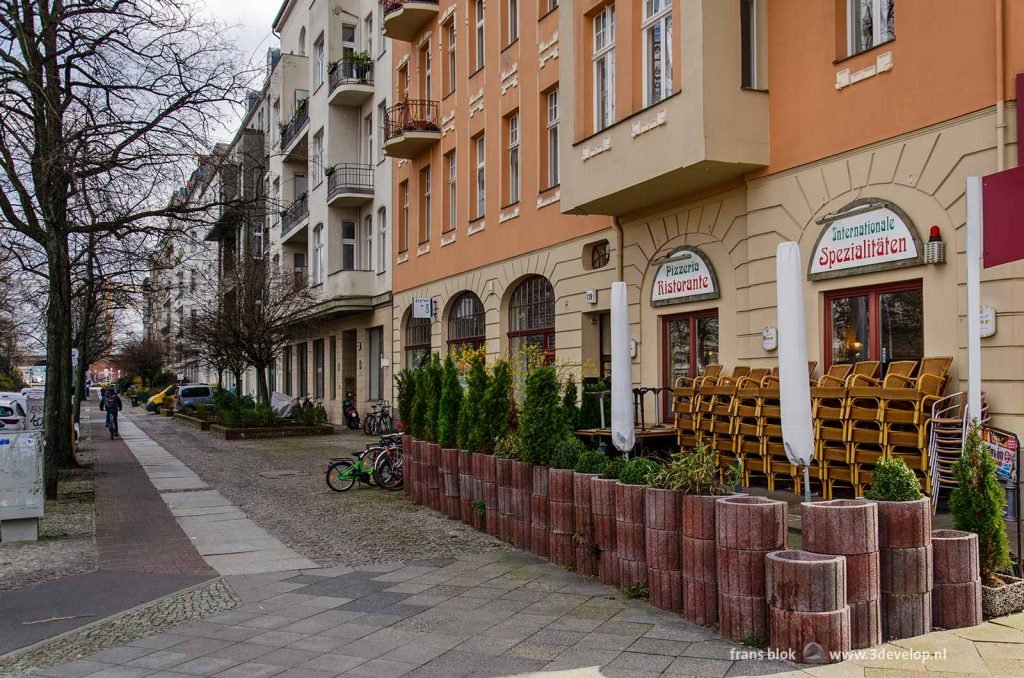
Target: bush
column 977, row 506
column 450, row 405
column 697, row 472
column 567, row 451
column 495, row 421
column 613, row 468
column 404, row 385
column 434, row 375
column 542, row 422
column 590, row 408
column 591, row 461
column 310, row 416
column 508, row 447
column 471, row 433
column 164, row 379
column 419, row 403
column 892, row 480
column 570, row 409
column 638, row 471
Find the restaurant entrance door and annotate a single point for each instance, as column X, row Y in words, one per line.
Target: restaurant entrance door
column 690, row 344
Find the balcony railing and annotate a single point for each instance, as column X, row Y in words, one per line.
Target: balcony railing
column 295, row 125
column 414, row 115
column 298, row 211
column 350, row 177
column 348, row 72
column 391, row 6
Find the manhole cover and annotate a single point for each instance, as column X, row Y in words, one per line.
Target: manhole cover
column 273, row 475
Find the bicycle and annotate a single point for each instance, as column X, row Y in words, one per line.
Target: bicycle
column 379, row 420
column 343, row 473
column 388, row 465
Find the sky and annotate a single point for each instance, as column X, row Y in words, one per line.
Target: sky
column 250, row 21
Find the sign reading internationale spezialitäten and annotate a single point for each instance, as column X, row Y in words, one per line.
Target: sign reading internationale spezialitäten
column 874, row 240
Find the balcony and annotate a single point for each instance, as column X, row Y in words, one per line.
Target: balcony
column 295, row 215
column 351, row 82
column 349, row 185
column 404, row 19
column 411, row 127
column 295, row 131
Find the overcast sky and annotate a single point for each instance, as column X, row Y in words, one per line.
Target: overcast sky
column 250, row 21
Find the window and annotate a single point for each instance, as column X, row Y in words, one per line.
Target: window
column 277, row 120
column 382, row 251
column 403, row 81
column 532, row 319
column 657, row 29
column 467, row 322
column 275, row 201
column 513, row 21
column 880, row 323
column 552, row 5
column 748, row 44
column 380, row 22
column 286, row 368
column 381, row 110
column 553, row 169
column 317, row 161
column 257, row 241
column 368, row 240
column 417, row 342
column 318, row 368
column 481, row 176
column 691, row 344
column 513, row 157
column 451, row 203
column 478, row 11
column 870, row 23
column 348, row 245
column 348, row 41
column 375, row 336
column 425, row 205
column 368, row 30
column 318, row 254
column 368, row 135
column 319, row 62
column 450, row 63
column 333, row 367
column 604, row 68
column 299, row 269
column 425, row 79
column 300, row 355
column 403, row 216
column 302, row 41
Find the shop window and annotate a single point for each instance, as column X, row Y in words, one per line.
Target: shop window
column 532, row 319
column 466, row 323
column 691, row 344
column 417, row 342
column 878, row 323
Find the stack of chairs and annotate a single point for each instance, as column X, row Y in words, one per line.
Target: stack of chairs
column 684, row 403
column 947, row 433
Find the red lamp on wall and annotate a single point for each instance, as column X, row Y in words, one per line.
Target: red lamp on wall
column 935, row 248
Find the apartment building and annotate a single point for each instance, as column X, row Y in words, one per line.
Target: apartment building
column 713, row 130
column 479, row 109
column 328, row 188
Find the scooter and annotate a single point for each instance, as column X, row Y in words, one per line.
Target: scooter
column 348, row 407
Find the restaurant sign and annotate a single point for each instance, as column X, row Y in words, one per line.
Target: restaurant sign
column 865, row 236
column 684, row 275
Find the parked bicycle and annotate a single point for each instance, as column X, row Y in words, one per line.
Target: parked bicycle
column 379, row 464
column 380, row 420
column 343, row 473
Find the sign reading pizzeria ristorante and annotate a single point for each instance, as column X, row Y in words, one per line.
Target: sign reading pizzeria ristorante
column 684, row 275
column 876, row 236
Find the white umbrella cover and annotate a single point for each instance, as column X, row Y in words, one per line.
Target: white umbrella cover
column 623, row 425
column 794, row 380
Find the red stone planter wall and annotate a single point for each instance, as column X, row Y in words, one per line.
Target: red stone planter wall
column 904, row 540
column 522, row 491
column 697, row 552
column 504, row 476
column 492, row 519
column 478, row 488
column 849, row 527
column 602, row 497
column 807, row 600
column 746, row 529
column 956, row 596
column 539, row 517
column 407, row 466
column 450, row 479
column 434, row 489
column 586, row 547
column 662, row 519
column 629, row 534
column 412, row 479
column 562, row 516
column 466, row 486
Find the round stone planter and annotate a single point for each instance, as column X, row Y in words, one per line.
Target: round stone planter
column 801, row 581
column 540, row 525
column 503, row 473
column 697, row 555
column 957, row 606
column 662, row 519
column 492, row 519
column 562, row 516
column 904, row 540
column 432, row 460
column 602, row 498
column 450, row 481
column 956, row 596
column 477, row 464
column 522, row 490
column 407, row 464
column 750, row 523
column 629, row 534
column 904, row 524
column 466, row 486
column 812, row 637
column 585, row 545
column 906, row 570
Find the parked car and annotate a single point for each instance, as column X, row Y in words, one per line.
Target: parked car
column 33, row 392
column 164, row 398
column 191, row 396
column 12, row 415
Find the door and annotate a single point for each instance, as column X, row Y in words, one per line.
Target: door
column 375, row 362
column 300, row 185
column 348, row 363
column 690, row 345
column 883, row 323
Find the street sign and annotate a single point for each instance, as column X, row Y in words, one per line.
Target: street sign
column 423, row 307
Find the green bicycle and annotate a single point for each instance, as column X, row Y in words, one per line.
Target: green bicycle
column 343, row 473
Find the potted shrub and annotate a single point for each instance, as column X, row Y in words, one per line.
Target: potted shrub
column 904, row 549
column 589, row 465
column 561, row 500
column 977, row 505
column 542, row 426
column 629, row 518
column 602, row 498
column 361, row 64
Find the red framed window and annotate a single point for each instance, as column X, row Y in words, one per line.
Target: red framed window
column 467, row 322
column 417, row 342
column 532, row 317
column 690, row 342
column 883, row 322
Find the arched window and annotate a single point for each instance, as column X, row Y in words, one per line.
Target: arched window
column 302, row 41
column 466, row 322
column 417, row 342
column 531, row 317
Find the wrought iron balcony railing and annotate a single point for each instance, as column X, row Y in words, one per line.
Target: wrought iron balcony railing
column 391, row 6
column 350, row 177
column 348, row 72
column 298, row 211
column 295, row 125
column 414, row 115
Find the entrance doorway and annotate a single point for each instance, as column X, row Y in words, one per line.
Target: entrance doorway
column 690, row 345
column 348, row 363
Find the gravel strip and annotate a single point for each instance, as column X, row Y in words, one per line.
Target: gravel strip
column 358, row 527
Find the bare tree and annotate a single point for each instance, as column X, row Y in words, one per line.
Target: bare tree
column 103, row 103
column 142, row 358
column 212, row 339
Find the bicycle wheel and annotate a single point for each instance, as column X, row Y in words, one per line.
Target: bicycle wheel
column 387, row 424
column 340, row 475
column 374, row 425
column 387, row 474
column 367, row 423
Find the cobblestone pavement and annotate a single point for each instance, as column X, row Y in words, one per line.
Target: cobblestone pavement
column 358, row 527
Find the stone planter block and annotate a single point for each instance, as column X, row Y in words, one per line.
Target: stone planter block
column 699, row 516
column 632, row 572
column 662, row 509
column 478, row 488
column 450, row 465
column 608, row 568
column 840, row 526
column 629, row 541
column 629, row 528
column 906, row 570
column 1004, row 600
column 956, row 606
column 602, row 497
column 801, row 581
column 742, row 617
column 865, row 623
column 562, row 516
column 466, row 485
column 407, row 463
column 699, row 561
column 503, row 473
column 522, row 489
column 741, row 572
column 412, row 471
column 904, row 524
column 700, row 601
column 662, row 549
column 560, row 485
column 811, row 636
column 539, row 516
column 433, row 462
column 586, row 546
column 905, row 615
column 492, row 518
column 750, row 523
column 665, row 588
column 955, row 557
column 629, row 503
column 863, row 577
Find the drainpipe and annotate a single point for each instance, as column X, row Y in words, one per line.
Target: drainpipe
column 620, row 239
column 1000, row 90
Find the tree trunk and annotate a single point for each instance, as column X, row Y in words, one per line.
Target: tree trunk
column 57, row 403
column 262, row 387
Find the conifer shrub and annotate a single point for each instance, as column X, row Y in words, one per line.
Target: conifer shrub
column 570, row 407
column 566, row 452
column 590, row 405
column 893, row 480
column 450, row 404
column 495, row 422
column 434, row 376
column 418, row 407
column 471, row 416
column 404, row 387
column 541, row 421
column 508, row 447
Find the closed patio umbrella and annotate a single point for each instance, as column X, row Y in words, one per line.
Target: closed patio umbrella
column 623, row 425
column 794, row 379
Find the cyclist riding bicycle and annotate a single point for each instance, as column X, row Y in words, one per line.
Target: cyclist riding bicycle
column 111, row 404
